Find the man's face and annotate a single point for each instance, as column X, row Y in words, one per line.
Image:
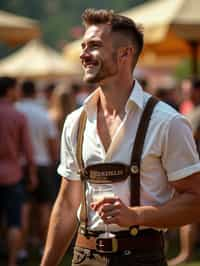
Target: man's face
column 98, row 57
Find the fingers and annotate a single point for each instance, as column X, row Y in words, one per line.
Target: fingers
column 114, row 211
column 105, row 201
column 109, row 217
column 108, row 209
column 112, row 219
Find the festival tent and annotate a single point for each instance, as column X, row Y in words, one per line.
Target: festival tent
column 71, row 52
column 36, row 60
column 16, row 30
column 171, row 27
column 171, row 30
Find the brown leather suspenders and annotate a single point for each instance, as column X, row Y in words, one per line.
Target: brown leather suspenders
column 134, row 168
column 79, row 149
column 137, row 151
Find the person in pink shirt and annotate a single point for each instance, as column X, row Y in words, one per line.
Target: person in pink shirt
column 187, row 104
column 14, row 141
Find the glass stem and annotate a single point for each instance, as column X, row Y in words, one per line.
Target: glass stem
column 107, row 229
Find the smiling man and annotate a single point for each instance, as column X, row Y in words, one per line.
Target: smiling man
column 99, row 59
column 125, row 140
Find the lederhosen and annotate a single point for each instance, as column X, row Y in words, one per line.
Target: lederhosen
column 103, row 173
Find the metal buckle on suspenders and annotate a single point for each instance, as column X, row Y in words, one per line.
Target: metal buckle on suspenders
column 109, row 245
column 135, row 160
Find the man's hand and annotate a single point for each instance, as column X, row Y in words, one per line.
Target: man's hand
column 114, row 211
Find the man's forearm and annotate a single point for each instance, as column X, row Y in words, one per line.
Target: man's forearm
column 179, row 211
column 59, row 235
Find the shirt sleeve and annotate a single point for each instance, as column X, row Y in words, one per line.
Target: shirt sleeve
column 180, row 158
column 68, row 166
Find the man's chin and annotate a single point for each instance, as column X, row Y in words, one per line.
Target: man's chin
column 90, row 79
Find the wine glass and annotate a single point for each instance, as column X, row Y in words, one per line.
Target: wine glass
column 100, row 192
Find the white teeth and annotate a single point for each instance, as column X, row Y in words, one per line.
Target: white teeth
column 89, row 66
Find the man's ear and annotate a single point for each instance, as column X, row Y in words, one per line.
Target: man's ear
column 123, row 52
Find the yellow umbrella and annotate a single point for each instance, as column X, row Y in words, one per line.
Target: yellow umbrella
column 36, row 60
column 16, row 29
column 171, row 27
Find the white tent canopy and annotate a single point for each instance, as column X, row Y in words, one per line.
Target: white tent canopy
column 36, row 60
column 16, row 29
column 171, row 29
column 158, row 17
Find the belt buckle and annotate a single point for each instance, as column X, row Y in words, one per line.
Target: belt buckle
column 101, row 248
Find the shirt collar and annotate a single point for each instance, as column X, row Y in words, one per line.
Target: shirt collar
column 90, row 103
column 136, row 98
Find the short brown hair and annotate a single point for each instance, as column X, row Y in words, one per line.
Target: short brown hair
column 7, row 83
column 120, row 24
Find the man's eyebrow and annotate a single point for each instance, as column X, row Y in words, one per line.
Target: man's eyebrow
column 91, row 42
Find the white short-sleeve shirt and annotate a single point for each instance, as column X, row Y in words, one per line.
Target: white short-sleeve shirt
column 169, row 151
column 42, row 128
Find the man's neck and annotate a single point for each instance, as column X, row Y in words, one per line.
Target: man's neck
column 114, row 95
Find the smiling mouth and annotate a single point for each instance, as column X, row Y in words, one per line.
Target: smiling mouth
column 89, row 64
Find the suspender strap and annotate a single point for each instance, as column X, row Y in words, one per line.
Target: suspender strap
column 80, row 134
column 137, row 151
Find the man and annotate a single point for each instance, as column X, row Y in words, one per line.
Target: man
column 110, row 50
column 45, row 145
column 14, row 141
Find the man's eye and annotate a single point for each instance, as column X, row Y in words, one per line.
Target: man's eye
column 95, row 45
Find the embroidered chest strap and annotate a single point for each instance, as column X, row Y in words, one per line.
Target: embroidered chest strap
column 106, row 173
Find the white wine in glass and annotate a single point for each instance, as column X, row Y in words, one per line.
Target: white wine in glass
column 100, row 192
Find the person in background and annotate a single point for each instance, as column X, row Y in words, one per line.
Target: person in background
column 190, row 233
column 186, row 104
column 144, row 83
column 44, row 137
column 14, row 141
column 168, row 95
column 167, row 194
column 81, row 91
column 48, row 93
column 62, row 103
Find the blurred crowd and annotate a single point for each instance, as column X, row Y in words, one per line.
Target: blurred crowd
column 31, row 121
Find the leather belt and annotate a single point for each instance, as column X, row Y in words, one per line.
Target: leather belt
column 147, row 241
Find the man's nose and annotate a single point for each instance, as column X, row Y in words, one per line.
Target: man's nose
column 84, row 54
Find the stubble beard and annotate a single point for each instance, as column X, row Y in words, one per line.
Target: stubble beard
column 103, row 72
